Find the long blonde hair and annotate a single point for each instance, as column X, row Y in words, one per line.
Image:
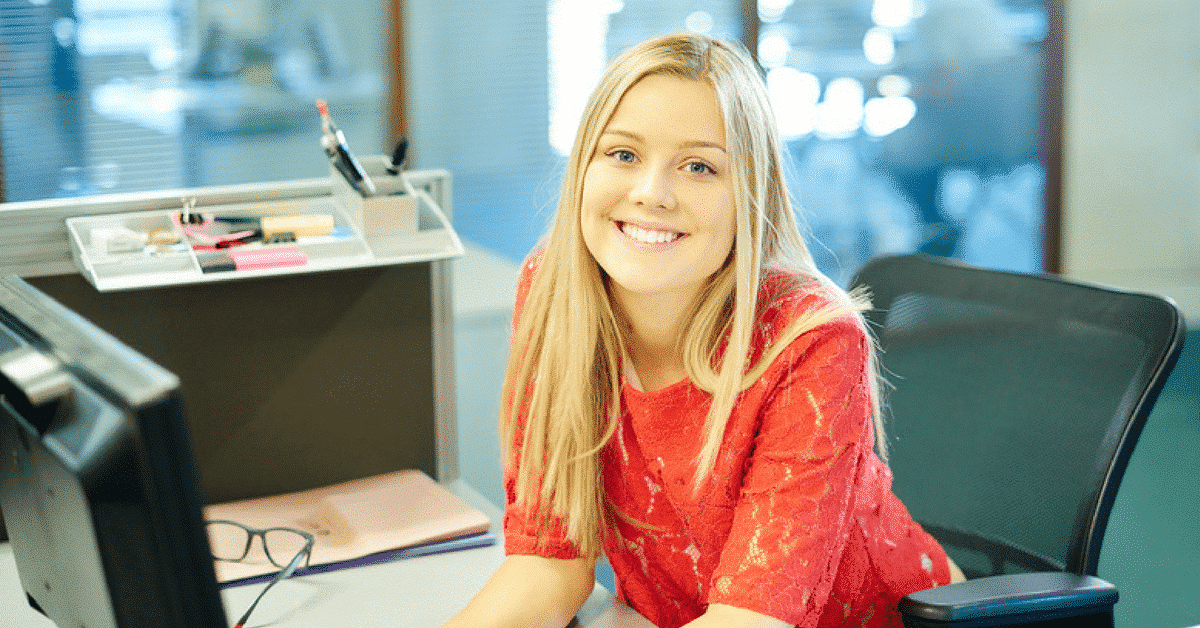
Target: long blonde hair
column 562, row 387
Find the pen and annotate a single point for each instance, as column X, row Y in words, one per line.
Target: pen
column 398, row 155
column 334, row 143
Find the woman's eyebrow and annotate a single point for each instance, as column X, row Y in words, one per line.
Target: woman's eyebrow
column 626, row 134
column 686, row 144
column 702, row 144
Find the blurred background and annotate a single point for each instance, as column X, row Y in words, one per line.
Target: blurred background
column 911, row 124
column 1054, row 136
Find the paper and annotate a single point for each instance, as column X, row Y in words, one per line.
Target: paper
column 353, row 519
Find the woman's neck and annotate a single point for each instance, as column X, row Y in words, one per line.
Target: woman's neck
column 653, row 327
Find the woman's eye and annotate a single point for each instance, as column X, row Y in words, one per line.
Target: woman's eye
column 623, row 155
column 697, row 167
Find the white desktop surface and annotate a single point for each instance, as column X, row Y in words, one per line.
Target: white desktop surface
column 409, row 593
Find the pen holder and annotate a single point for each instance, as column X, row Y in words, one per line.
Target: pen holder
column 381, row 218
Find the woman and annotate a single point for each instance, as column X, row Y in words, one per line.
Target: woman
column 686, row 391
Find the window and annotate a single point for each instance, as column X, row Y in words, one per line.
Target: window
column 104, row 96
column 910, row 124
column 913, row 125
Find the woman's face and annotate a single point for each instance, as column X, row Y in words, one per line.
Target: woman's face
column 657, row 211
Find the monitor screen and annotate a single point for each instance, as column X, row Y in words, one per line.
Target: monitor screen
column 98, row 488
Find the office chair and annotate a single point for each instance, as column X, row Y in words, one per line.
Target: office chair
column 1014, row 404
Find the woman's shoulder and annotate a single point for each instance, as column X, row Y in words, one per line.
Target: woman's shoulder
column 525, row 281
column 792, row 302
column 531, row 264
column 786, row 295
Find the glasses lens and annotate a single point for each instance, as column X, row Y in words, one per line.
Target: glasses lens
column 283, row 545
column 227, row 541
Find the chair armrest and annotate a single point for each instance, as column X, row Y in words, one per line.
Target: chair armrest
column 1011, row 599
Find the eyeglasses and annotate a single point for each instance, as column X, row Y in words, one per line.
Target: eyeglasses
column 286, row 548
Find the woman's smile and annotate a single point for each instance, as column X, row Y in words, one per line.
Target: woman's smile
column 648, row 235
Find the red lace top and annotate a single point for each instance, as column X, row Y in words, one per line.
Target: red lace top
column 798, row 521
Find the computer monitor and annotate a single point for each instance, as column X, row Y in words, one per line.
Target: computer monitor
column 97, row 484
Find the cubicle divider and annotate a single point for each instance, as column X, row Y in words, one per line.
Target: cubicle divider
column 292, row 380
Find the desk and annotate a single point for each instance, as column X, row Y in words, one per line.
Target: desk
column 411, row 593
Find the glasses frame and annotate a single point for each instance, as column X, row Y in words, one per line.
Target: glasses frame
column 253, row 533
column 285, row 570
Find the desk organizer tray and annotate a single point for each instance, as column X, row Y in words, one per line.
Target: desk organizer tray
column 162, row 247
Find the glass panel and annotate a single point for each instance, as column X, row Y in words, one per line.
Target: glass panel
column 913, row 124
column 114, row 96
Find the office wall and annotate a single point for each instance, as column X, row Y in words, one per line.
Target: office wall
column 291, row 382
column 1131, row 217
column 1131, row 208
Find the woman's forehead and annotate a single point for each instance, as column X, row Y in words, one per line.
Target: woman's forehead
column 686, row 110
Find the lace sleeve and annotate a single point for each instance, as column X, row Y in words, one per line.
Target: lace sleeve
column 530, row 530
column 794, row 511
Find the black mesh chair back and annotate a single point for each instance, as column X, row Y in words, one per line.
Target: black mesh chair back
column 1015, row 404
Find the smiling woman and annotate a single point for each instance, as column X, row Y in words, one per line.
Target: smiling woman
column 686, row 392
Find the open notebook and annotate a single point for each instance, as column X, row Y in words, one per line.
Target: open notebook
column 381, row 517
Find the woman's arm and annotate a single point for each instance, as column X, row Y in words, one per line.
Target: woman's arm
column 530, row 591
column 725, row 616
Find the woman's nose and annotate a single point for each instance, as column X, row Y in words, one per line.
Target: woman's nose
column 653, row 188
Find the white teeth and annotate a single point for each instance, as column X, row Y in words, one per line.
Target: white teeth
column 649, row 236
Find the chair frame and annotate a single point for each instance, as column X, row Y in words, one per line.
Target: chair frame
column 1156, row 320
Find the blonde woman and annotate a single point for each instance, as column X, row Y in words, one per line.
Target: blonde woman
column 686, row 392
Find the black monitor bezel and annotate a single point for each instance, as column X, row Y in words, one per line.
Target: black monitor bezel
column 136, row 502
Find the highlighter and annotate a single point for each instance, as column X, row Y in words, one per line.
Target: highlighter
column 255, row 259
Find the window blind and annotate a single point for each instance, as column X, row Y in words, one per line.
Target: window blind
column 54, row 143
